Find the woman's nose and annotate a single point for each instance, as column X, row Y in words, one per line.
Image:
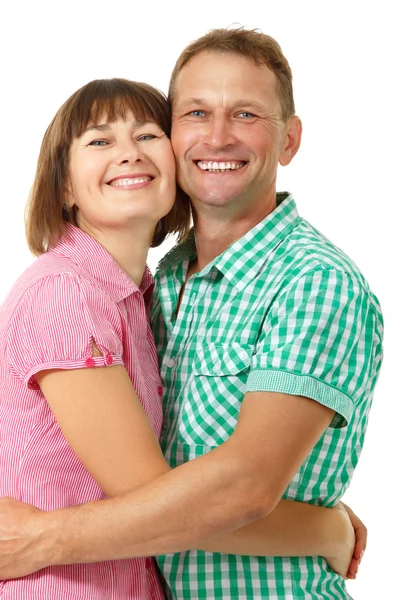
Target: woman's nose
column 127, row 153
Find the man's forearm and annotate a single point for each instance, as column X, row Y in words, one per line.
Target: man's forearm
column 194, row 502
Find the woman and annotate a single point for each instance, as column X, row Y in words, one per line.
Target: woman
column 104, row 192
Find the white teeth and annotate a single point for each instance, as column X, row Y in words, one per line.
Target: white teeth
column 219, row 166
column 134, row 181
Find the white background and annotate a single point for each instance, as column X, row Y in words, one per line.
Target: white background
column 344, row 57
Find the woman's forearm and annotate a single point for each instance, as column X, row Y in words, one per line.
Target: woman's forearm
column 291, row 529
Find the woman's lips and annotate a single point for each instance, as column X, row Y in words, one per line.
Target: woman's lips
column 130, row 182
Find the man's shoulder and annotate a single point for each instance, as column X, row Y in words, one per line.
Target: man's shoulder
column 308, row 250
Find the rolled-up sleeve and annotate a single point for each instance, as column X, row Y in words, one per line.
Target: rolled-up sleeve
column 319, row 340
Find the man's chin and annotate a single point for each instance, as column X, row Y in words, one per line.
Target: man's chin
column 212, row 200
column 218, row 196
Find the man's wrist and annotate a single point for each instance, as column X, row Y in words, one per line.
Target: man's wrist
column 51, row 531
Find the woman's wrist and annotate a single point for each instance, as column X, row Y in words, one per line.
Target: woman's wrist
column 340, row 532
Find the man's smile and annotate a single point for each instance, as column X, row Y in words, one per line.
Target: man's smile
column 220, row 166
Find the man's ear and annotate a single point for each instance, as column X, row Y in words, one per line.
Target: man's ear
column 291, row 140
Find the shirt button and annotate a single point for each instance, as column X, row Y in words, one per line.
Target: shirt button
column 170, row 362
column 148, row 563
column 194, row 296
column 159, row 390
column 89, row 362
column 109, row 359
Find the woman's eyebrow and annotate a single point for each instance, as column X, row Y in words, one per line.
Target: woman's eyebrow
column 103, row 127
column 106, row 126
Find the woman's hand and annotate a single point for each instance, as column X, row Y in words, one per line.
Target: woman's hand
column 360, row 545
column 346, row 561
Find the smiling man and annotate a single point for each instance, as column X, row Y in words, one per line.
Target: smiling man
column 269, row 342
column 276, row 328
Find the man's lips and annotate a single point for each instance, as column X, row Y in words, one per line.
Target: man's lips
column 213, row 166
column 129, row 180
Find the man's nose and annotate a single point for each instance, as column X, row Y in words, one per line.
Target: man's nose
column 220, row 133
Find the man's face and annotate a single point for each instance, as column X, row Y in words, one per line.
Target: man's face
column 227, row 132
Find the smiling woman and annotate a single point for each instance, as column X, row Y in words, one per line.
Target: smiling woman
column 88, row 120
column 112, row 161
column 104, row 192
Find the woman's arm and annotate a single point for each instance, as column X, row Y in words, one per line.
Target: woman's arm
column 101, row 417
column 296, row 529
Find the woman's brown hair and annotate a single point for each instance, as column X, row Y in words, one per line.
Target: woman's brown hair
column 46, row 212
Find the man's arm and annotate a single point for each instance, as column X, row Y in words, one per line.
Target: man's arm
column 235, row 484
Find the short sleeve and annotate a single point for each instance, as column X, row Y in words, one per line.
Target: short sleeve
column 319, row 341
column 55, row 324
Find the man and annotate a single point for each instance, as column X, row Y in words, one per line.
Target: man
column 270, row 346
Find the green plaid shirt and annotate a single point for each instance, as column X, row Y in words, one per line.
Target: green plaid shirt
column 280, row 310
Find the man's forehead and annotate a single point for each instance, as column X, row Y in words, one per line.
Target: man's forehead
column 228, row 75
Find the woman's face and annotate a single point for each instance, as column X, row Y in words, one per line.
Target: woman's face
column 120, row 172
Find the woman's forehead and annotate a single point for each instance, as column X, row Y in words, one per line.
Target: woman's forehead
column 110, row 110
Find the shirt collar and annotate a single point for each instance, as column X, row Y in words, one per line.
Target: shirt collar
column 244, row 258
column 90, row 256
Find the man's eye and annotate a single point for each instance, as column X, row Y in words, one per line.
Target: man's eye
column 146, row 137
column 197, row 113
column 98, row 143
column 246, row 114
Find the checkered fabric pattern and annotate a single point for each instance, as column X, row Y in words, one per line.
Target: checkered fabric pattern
column 281, row 310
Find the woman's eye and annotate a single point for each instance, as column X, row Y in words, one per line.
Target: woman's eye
column 98, row 143
column 146, row 137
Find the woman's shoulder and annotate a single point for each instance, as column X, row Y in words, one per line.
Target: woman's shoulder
column 55, row 296
column 47, row 268
column 54, row 278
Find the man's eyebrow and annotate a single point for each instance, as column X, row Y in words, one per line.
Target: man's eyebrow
column 192, row 102
column 249, row 104
column 106, row 126
column 243, row 103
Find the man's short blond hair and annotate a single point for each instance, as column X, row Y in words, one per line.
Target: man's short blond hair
column 263, row 49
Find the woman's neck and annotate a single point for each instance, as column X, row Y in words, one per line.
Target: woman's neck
column 128, row 246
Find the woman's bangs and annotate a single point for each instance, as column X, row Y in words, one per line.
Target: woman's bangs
column 110, row 100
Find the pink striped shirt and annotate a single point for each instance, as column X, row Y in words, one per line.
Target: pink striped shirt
column 70, row 297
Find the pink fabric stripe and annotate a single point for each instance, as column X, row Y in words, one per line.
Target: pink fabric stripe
column 70, row 297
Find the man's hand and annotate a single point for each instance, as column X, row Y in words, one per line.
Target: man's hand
column 21, row 526
column 348, row 558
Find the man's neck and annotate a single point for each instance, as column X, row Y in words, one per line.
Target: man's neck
column 214, row 235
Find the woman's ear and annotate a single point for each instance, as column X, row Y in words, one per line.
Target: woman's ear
column 69, row 199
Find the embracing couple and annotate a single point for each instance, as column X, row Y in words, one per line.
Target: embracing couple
column 221, row 438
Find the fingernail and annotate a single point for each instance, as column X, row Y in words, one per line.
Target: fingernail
column 362, row 554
